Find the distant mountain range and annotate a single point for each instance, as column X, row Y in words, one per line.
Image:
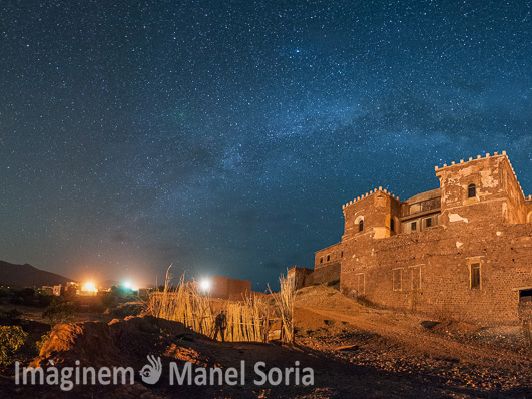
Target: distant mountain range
column 27, row 276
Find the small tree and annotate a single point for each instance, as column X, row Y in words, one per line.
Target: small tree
column 60, row 312
column 11, row 339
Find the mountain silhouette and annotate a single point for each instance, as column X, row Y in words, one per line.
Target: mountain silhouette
column 27, row 276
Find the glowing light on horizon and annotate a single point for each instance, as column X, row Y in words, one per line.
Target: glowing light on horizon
column 128, row 285
column 205, row 285
column 89, row 286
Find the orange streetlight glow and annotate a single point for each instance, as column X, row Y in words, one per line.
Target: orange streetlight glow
column 89, row 286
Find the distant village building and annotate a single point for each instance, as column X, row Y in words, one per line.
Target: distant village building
column 229, row 288
column 46, row 290
column 55, row 290
column 462, row 250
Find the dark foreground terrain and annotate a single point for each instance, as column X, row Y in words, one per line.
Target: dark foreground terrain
column 355, row 351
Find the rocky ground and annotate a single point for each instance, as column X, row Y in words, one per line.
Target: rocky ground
column 356, row 351
column 464, row 360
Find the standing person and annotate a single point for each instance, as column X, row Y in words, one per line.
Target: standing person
column 220, row 324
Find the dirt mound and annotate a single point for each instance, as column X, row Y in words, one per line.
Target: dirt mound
column 326, row 298
column 100, row 344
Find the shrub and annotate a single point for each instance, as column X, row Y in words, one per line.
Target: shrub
column 60, row 312
column 41, row 341
column 11, row 339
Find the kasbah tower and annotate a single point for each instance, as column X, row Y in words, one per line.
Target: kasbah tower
column 460, row 251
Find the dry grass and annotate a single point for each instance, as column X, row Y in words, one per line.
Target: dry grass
column 250, row 319
column 284, row 301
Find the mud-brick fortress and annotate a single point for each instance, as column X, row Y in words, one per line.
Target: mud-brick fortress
column 461, row 251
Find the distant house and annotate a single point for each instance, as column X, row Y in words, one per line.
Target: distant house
column 46, row 290
column 228, row 288
column 57, row 290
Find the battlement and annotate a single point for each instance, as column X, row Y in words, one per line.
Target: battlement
column 474, row 189
column 367, row 194
column 479, row 157
column 471, row 159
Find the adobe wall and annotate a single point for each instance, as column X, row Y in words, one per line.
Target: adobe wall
column 498, row 192
column 376, row 208
column 304, row 277
column 430, row 270
column 300, row 276
column 442, row 257
column 327, row 265
column 328, row 256
column 325, row 275
column 228, row 288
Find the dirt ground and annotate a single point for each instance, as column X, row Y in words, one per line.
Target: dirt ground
column 456, row 358
column 356, row 352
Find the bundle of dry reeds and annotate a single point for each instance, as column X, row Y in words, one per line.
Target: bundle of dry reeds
column 248, row 320
column 285, row 300
column 182, row 303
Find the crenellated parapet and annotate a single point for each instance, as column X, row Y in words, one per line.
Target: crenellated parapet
column 367, row 194
column 471, row 159
column 479, row 157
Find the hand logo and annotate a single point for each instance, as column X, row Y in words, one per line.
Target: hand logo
column 151, row 373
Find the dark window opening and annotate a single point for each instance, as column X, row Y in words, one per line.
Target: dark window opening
column 342, row 254
column 525, row 295
column 321, row 260
column 328, row 258
column 361, row 225
column 471, row 190
column 413, row 226
column 428, row 223
column 392, row 225
column 475, row 276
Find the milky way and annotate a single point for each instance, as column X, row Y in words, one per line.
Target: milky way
column 223, row 137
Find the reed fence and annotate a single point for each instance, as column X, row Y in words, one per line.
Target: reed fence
column 254, row 318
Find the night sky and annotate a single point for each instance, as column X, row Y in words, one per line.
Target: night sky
column 224, row 137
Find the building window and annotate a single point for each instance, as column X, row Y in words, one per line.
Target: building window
column 397, row 280
column 475, row 276
column 415, row 278
column 342, row 254
column 525, row 296
column 328, row 258
column 321, row 260
column 361, row 225
column 392, row 225
column 428, row 223
column 413, row 226
column 471, row 190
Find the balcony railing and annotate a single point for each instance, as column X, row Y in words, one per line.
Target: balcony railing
column 421, row 207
